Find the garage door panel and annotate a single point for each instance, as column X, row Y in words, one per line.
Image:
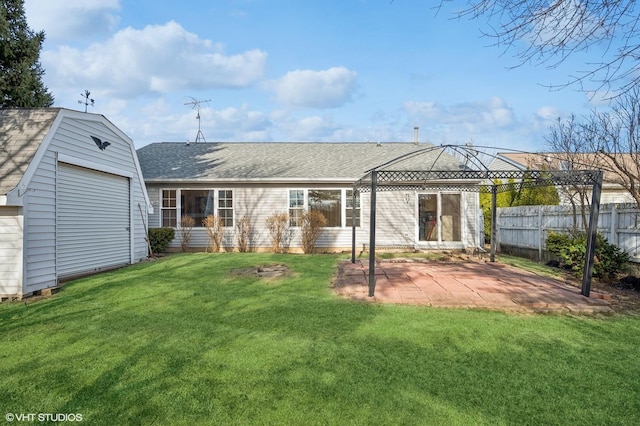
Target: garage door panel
column 93, row 220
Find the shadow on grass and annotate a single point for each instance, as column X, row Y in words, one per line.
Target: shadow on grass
column 182, row 341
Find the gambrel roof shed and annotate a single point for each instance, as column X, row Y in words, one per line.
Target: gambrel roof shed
column 72, row 198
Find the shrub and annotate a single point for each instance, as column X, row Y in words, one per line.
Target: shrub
column 570, row 248
column 243, row 226
column 159, row 239
column 279, row 232
column 312, row 223
column 185, row 229
column 213, row 226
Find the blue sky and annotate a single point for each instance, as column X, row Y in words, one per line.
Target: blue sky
column 284, row 70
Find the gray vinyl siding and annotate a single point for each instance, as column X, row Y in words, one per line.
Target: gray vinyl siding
column 396, row 222
column 155, row 198
column 72, row 138
column 395, row 218
column 11, row 250
column 258, row 203
column 40, row 222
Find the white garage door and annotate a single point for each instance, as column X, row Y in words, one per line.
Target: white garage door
column 92, row 216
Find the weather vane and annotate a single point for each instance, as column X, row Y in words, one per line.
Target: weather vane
column 195, row 104
column 87, row 100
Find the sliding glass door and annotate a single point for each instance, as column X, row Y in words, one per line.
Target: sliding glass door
column 439, row 217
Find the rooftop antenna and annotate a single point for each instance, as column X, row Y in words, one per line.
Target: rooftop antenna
column 195, row 104
column 87, row 100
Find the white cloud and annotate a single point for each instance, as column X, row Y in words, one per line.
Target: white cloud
column 548, row 113
column 491, row 123
column 158, row 58
column 468, row 117
column 314, row 128
column 315, row 89
column 72, row 20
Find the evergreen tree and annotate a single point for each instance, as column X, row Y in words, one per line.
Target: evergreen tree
column 20, row 70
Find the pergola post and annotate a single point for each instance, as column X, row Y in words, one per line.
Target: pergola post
column 592, row 234
column 372, row 235
column 353, row 225
column 494, row 224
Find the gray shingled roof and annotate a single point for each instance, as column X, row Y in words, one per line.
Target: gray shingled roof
column 21, row 132
column 167, row 161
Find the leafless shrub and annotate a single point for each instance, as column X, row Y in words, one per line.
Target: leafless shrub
column 312, row 223
column 243, row 227
column 185, row 229
column 213, row 226
column 279, row 232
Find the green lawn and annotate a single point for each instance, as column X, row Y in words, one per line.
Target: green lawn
column 182, row 340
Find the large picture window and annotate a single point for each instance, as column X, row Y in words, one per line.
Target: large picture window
column 329, row 203
column 197, row 204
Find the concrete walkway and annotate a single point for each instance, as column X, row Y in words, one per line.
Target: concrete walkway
column 479, row 285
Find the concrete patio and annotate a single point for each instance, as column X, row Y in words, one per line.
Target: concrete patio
column 460, row 284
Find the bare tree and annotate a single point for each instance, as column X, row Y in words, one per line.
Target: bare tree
column 568, row 150
column 549, row 31
column 615, row 136
column 607, row 141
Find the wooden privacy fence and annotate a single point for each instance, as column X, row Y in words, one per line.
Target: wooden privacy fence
column 525, row 229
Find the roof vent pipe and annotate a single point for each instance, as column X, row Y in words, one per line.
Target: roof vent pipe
column 415, row 135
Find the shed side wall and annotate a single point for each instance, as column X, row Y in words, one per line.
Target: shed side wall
column 11, row 250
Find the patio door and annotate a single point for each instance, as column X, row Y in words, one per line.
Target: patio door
column 439, row 217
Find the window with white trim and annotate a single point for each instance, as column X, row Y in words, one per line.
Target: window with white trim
column 349, row 207
column 296, row 206
column 225, row 206
column 197, row 203
column 168, row 210
column 334, row 204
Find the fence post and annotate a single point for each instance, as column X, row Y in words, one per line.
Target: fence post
column 613, row 231
column 540, row 234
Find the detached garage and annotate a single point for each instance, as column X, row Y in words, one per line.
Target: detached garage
column 72, row 198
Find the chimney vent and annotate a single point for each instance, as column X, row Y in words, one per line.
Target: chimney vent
column 415, row 135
